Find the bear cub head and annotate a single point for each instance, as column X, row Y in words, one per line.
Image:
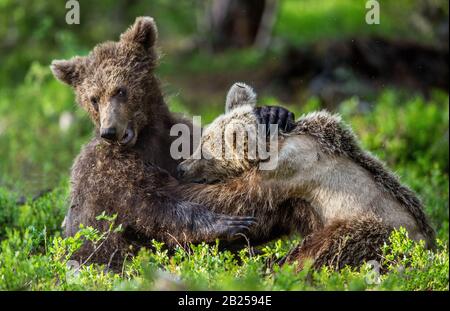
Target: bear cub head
column 231, row 144
column 114, row 83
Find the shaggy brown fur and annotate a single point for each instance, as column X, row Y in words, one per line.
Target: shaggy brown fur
column 277, row 212
column 343, row 242
column 124, row 169
column 296, row 194
column 336, row 138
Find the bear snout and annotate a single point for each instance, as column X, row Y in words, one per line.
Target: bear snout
column 109, row 133
column 188, row 172
column 180, row 171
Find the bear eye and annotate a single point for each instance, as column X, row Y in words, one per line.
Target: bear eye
column 94, row 102
column 121, row 92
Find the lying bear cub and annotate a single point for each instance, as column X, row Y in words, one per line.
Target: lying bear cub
column 342, row 199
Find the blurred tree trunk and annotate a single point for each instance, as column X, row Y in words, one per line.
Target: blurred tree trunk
column 239, row 23
column 268, row 19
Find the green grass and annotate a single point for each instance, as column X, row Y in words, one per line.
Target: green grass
column 33, row 256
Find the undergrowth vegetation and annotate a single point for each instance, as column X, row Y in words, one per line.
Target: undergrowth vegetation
column 409, row 133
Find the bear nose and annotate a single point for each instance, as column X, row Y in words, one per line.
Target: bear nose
column 180, row 171
column 108, row 133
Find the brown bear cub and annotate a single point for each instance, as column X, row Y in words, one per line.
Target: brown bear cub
column 343, row 200
column 126, row 167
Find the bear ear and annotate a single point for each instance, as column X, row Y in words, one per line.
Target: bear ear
column 143, row 32
column 239, row 94
column 67, row 71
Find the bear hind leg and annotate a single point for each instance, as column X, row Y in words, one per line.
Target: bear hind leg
column 341, row 243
